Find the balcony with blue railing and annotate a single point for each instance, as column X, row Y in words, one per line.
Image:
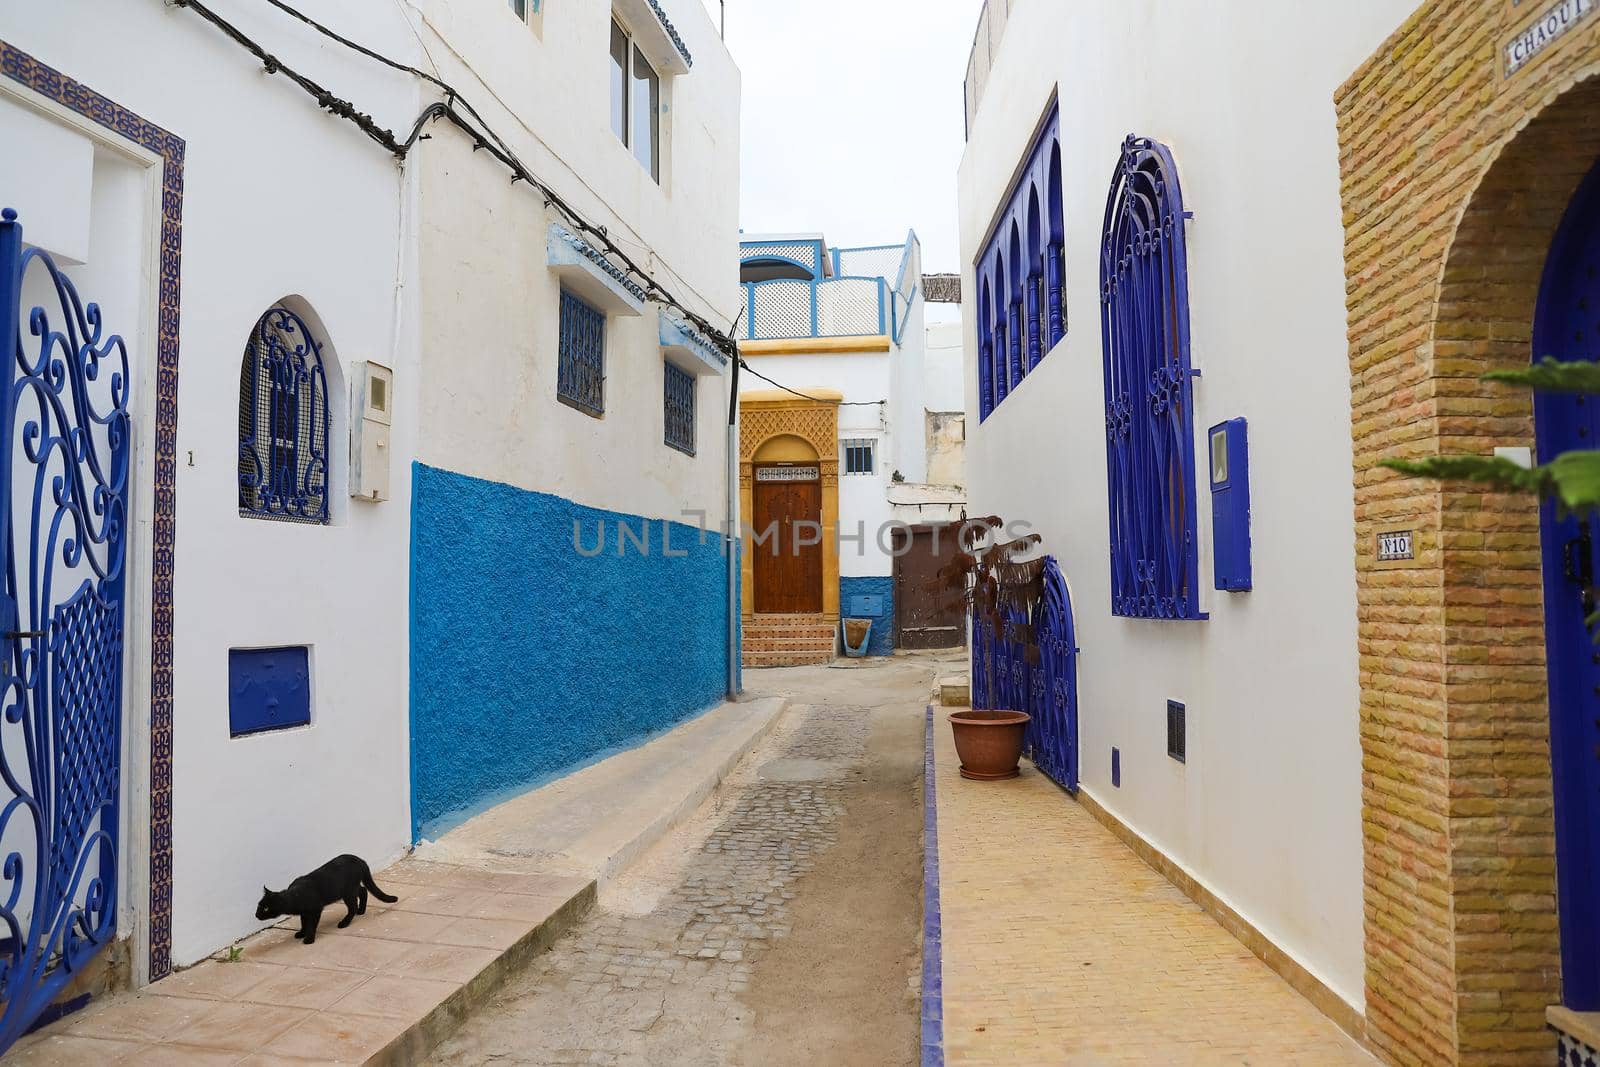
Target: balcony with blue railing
column 861, row 292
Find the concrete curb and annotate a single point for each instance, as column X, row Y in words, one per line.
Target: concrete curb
column 416, row 1043
column 670, row 819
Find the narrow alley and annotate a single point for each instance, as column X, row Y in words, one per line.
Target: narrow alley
column 780, row 925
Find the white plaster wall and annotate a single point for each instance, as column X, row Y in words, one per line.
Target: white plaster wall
column 279, row 199
column 1267, row 810
column 490, row 322
column 945, row 388
column 863, row 378
column 908, row 384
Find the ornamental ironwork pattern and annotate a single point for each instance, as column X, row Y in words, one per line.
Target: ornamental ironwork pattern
column 677, row 398
column 112, row 117
column 283, row 422
column 1022, row 312
column 581, row 362
column 1144, row 323
column 64, row 466
column 1002, row 677
column 1052, row 740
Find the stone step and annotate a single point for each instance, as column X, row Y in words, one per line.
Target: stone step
column 786, row 659
column 818, row 637
column 779, row 644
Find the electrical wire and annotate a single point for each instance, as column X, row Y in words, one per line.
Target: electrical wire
column 471, row 123
column 806, row 396
column 484, row 138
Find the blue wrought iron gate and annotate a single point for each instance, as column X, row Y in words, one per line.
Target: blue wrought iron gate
column 1002, row 677
column 64, row 469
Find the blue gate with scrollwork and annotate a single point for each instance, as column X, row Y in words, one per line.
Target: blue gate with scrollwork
column 64, row 470
column 1052, row 741
column 1002, row 677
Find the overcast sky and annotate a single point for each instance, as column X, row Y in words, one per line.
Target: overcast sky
column 853, row 117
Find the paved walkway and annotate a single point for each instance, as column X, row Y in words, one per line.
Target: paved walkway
column 1061, row 947
column 779, row 926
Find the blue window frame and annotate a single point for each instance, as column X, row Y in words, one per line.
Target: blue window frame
column 1144, row 325
column 677, row 400
column 860, row 455
column 1022, row 311
column 581, row 367
column 283, row 422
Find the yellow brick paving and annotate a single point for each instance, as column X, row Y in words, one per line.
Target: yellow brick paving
column 1062, row 947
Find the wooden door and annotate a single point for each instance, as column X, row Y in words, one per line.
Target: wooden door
column 788, row 552
column 927, row 615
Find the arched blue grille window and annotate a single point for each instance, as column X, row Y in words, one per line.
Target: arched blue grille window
column 283, row 422
column 1023, row 312
column 1144, row 322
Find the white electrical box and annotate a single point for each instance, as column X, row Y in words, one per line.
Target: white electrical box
column 372, row 406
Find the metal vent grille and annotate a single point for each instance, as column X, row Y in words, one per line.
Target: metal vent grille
column 677, row 398
column 1177, row 732
column 581, row 370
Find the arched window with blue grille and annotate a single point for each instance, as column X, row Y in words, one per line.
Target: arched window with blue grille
column 1022, row 316
column 283, row 422
column 1144, row 321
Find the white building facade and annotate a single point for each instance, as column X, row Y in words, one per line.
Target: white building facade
column 411, row 389
column 1158, row 386
column 835, row 442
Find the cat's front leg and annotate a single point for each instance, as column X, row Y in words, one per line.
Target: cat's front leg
column 308, row 925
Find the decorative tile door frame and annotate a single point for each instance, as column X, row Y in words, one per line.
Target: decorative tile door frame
column 147, row 784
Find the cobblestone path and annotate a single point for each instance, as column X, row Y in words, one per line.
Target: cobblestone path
column 661, row 972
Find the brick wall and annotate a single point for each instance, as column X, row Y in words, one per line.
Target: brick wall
column 1454, row 179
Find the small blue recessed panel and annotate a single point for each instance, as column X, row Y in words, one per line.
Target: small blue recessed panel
column 268, row 689
column 1230, row 505
column 866, row 606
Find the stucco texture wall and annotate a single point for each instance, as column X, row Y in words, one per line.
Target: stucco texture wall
column 531, row 658
column 882, row 643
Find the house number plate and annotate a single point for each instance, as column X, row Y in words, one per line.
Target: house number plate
column 1395, row 545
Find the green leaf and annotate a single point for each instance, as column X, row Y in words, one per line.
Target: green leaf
column 1552, row 376
column 1491, row 470
column 1576, row 478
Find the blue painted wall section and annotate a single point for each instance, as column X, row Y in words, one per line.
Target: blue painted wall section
column 882, row 643
column 531, row 658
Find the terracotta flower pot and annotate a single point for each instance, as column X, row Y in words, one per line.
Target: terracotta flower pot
column 989, row 743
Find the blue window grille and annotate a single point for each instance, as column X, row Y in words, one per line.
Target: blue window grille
column 860, row 455
column 677, row 398
column 581, row 371
column 1144, row 324
column 1022, row 313
column 283, row 422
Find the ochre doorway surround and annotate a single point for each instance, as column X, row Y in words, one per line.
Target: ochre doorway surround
column 777, row 427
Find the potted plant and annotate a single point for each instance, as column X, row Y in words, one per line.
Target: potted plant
column 1000, row 582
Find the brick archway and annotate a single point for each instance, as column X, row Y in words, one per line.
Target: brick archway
column 1455, row 177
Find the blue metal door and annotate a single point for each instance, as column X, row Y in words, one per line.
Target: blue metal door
column 1053, row 729
column 64, row 466
column 1567, row 327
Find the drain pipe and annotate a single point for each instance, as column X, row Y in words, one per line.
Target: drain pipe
column 731, row 540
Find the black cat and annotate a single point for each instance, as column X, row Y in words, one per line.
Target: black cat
column 346, row 878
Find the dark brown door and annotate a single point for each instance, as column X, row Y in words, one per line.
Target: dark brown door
column 788, row 546
column 927, row 615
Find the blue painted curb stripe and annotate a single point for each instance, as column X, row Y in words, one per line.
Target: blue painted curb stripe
column 932, row 948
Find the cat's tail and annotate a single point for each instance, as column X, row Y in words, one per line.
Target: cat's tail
column 372, row 887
